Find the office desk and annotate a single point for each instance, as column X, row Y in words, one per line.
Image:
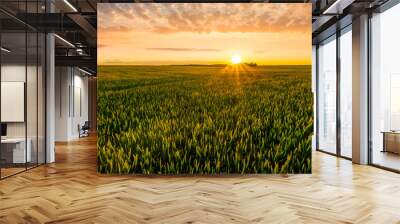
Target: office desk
column 391, row 141
column 13, row 150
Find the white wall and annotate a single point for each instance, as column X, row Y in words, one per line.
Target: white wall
column 13, row 101
column 13, row 72
column 10, row 73
column 62, row 82
column 80, row 110
column 71, row 87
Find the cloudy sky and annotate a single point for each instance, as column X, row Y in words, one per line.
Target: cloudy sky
column 208, row 33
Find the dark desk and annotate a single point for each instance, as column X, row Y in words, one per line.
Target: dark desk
column 391, row 141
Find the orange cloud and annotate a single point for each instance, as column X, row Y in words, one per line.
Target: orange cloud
column 182, row 49
column 204, row 18
column 204, row 33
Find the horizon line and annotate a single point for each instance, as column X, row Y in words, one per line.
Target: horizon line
column 191, row 64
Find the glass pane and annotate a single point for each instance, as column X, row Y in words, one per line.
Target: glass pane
column 31, row 97
column 385, row 114
column 41, row 98
column 346, row 94
column 327, row 96
column 13, row 86
column 31, row 88
column 23, row 90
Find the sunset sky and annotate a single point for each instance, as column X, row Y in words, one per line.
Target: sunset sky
column 207, row 33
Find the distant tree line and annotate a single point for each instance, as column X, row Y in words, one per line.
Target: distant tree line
column 251, row 64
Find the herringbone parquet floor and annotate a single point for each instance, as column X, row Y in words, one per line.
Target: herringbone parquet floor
column 70, row 191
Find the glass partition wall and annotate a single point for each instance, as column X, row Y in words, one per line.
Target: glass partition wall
column 22, row 88
column 385, row 89
column 13, row 85
column 334, row 93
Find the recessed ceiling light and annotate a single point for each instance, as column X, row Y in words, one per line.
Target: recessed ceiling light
column 86, row 72
column 337, row 7
column 5, row 50
column 70, row 5
column 64, row 40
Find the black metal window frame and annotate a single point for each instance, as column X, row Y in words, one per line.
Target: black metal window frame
column 387, row 5
column 339, row 32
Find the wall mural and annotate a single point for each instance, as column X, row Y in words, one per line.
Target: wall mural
column 205, row 88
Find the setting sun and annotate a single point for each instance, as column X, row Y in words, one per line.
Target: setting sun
column 236, row 59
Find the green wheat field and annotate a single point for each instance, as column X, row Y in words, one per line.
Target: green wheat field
column 194, row 119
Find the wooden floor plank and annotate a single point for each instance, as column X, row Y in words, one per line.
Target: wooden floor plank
column 71, row 191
